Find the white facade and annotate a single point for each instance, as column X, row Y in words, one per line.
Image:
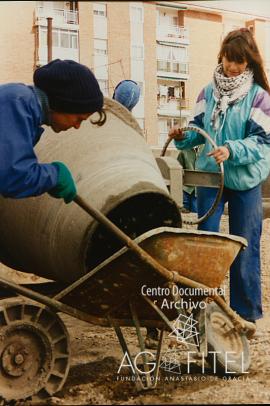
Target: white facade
column 101, row 46
column 172, row 72
column 65, row 31
column 136, row 13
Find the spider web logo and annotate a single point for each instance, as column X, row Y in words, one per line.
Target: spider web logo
column 185, row 331
column 170, row 362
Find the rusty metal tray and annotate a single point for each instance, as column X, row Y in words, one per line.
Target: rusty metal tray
column 202, row 256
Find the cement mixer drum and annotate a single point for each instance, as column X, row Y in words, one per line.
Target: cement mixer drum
column 115, row 171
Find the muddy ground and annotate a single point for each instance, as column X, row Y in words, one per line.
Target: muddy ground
column 96, row 357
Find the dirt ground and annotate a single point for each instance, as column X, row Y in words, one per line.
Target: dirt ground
column 96, row 357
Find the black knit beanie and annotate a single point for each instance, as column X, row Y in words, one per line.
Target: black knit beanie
column 70, row 86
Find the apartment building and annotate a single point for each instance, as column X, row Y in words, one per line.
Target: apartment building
column 169, row 47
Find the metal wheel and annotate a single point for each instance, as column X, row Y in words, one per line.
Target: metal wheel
column 34, row 350
column 228, row 350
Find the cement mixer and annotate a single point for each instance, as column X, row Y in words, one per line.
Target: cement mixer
column 127, row 236
column 114, row 169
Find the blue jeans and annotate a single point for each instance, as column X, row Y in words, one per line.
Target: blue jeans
column 245, row 220
column 190, row 201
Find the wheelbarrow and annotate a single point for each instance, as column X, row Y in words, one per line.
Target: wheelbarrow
column 127, row 289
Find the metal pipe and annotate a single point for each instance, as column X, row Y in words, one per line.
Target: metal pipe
column 49, row 38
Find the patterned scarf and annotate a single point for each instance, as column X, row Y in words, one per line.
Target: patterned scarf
column 228, row 91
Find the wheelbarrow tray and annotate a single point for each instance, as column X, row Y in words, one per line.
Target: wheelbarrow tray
column 202, row 256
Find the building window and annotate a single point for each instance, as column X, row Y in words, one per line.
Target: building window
column 104, row 86
column 42, row 37
column 136, row 14
column 167, row 19
column 169, row 91
column 100, row 47
column 172, row 59
column 74, row 40
column 171, row 53
column 61, row 12
column 60, row 38
column 99, row 9
column 60, row 5
column 65, row 39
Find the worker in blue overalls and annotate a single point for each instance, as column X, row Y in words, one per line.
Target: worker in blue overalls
column 63, row 95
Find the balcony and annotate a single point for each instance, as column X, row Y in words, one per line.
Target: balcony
column 60, row 17
column 172, row 69
column 172, row 106
column 57, row 52
column 172, row 33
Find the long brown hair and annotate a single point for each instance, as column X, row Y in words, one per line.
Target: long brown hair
column 240, row 46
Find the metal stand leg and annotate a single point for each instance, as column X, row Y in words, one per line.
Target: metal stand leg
column 150, row 384
column 151, row 377
column 141, row 342
column 122, row 341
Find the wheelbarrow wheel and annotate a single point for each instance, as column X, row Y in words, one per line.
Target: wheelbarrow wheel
column 228, row 350
column 34, row 351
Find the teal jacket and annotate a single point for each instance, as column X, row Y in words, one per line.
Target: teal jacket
column 245, row 129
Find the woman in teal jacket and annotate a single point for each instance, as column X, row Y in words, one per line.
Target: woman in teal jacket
column 234, row 109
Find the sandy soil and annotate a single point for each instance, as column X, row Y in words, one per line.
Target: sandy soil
column 96, row 356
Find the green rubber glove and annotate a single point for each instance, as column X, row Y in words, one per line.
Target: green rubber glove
column 65, row 188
